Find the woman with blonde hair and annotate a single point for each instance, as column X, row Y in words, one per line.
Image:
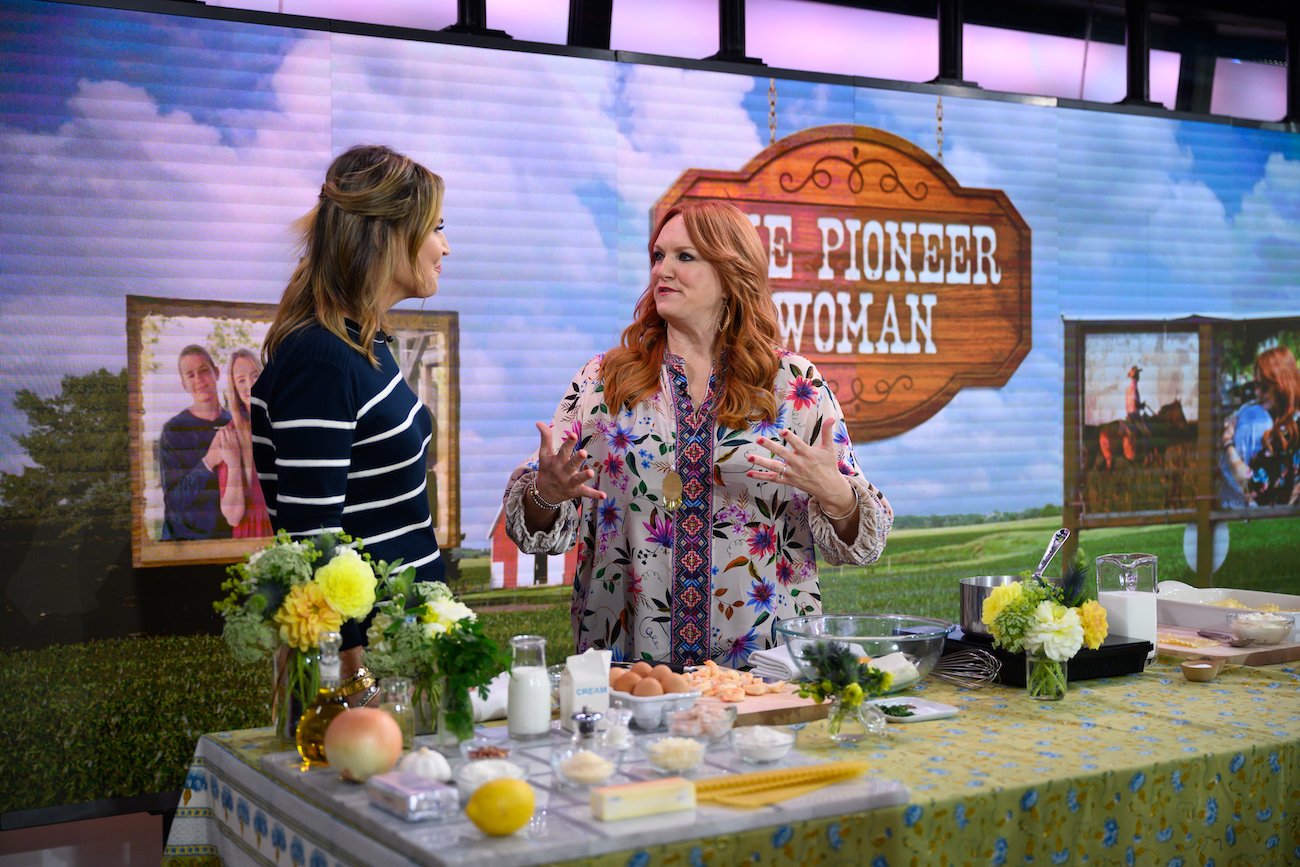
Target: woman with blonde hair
column 699, row 467
column 339, row 438
column 242, row 502
column 1270, row 475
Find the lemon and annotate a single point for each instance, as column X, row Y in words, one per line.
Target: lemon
column 501, row 807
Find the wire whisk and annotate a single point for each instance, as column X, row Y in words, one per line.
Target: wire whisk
column 972, row 669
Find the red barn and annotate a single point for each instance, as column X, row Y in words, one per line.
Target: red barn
column 513, row 568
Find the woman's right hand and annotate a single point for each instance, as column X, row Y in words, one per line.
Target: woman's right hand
column 562, row 474
column 1229, row 430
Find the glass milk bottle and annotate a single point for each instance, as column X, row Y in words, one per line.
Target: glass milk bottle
column 528, row 708
column 1126, row 588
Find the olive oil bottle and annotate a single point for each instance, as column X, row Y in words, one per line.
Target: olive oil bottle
column 328, row 704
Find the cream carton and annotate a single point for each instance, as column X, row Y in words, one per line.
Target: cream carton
column 585, row 684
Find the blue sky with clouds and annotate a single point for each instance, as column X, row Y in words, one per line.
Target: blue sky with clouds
column 166, row 156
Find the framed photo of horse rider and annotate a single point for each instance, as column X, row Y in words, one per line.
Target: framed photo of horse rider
column 1134, row 395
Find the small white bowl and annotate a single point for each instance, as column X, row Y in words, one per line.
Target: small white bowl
column 471, row 775
column 582, row 768
column 648, row 710
column 671, row 754
column 762, row 744
column 1266, row 627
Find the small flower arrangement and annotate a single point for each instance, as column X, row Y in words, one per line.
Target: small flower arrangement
column 1049, row 623
column 845, row 680
column 421, row 631
column 284, row 596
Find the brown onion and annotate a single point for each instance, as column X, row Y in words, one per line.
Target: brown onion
column 362, row 742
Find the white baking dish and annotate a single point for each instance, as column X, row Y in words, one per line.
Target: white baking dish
column 1179, row 604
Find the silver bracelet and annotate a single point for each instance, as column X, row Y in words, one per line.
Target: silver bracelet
column 540, row 500
column 856, row 503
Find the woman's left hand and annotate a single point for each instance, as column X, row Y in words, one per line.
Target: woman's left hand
column 815, row 470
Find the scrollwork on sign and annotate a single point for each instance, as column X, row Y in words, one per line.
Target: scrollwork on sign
column 883, row 388
column 854, row 177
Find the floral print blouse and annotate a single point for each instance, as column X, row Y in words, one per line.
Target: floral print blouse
column 711, row 579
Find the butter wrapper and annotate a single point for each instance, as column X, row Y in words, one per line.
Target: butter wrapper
column 411, row 796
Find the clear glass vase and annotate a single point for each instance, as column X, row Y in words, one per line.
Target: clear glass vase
column 431, row 703
column 848, row 725
column 295, row 677
column 1045, row 678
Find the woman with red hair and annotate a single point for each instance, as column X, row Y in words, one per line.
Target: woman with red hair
column 1271, row 476
column 711, row 466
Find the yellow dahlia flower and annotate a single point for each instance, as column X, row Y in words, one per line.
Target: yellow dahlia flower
column 1095, row 627
column 348, row 583
column 304, row 615
column 1002, row 596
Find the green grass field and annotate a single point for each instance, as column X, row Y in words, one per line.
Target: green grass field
column 110, row 719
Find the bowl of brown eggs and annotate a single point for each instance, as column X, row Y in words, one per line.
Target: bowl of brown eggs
column 650, row 691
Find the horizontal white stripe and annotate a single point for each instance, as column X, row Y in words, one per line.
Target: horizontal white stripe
column 326, row 423
column 312, row 462
column 311, row 501
column 379, row 504
column 270, row 511
column 257, row 401
column 400, row 531
column 264, row 441
column 365, row 474
column 388, row 389
column 268, row 477
column 393, row 431
column 316, row 532
column 418, row 563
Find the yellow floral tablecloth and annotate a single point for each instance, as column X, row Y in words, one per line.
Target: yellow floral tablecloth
column 1147, row 769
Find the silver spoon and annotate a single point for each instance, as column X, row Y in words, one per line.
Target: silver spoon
column 1058, row 539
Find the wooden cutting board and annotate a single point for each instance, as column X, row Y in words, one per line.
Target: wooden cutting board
column 1267, row 654
column 775, row 710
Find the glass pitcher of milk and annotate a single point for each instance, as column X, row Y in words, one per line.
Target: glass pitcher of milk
column 1126, row 588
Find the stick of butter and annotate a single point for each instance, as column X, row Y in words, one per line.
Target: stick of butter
column 898, row 665
column 630, row 800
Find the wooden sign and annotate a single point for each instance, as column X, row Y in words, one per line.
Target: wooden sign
column 899, row 284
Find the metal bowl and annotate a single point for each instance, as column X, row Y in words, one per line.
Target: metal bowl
column 920, row 639
column 973, row 593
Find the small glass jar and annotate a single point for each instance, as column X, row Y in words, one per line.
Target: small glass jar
column 396, row 699
column 586, row 761
column 617, row 735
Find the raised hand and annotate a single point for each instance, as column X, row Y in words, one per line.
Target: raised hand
column 562, row 474
column 815, row 470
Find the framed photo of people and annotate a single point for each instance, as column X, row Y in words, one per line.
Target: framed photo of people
column 191, row 367
column 1256, row 436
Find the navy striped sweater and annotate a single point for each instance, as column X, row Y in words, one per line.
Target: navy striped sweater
column 342, row 446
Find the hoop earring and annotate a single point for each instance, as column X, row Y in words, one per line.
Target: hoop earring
column 726, row 318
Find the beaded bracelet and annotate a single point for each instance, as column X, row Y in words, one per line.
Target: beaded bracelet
column 856, row 503
column 540, row 500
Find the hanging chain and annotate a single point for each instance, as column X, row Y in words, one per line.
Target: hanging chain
column 938, row 130
column 771, row 111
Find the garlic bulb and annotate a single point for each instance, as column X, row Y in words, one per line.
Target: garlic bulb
column 430, row 764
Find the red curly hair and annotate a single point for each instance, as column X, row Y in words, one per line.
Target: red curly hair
column 725, row 238
column 1277, row 368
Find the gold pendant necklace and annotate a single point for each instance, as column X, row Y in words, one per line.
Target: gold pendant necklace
column 672, row 491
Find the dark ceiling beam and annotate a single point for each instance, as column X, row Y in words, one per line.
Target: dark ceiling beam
column 1137, row 52
column 471, row 19
column 1293, row 68
column 731, row 33
column 951, row 20
column 590, row 22
column 1196, row 70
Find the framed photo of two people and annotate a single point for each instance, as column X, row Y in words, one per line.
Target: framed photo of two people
column 190, row 368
